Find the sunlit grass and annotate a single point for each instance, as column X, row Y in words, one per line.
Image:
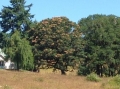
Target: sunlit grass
column 113, row 83
column 46, row 79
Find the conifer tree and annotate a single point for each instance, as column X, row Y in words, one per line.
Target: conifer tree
column 16, row 16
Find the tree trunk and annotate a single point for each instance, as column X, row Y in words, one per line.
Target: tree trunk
column 63, row 72
column 98, row 69
column 18, row 65
column 101, row 71
column 111, row 70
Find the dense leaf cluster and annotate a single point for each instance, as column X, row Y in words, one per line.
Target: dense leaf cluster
column 102, row 45
column 56, row 39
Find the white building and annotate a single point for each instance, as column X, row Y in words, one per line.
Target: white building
column 6, row 64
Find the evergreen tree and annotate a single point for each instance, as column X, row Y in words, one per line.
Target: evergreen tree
column 16, row 16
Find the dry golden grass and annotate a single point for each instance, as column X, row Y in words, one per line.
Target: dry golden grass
column 44, row 80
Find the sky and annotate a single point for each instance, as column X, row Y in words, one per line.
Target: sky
column 72, row 9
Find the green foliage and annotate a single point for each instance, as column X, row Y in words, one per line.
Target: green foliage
column 16, row 16
column 26, row 55
column 113, row 83
column 83, row 70
column 101, row 36
column 53, row 39
column 15, row 21
column 93, row 77
column 94, row 42
column 19, row 51
column 115, row 80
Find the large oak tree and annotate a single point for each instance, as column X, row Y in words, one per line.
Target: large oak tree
column 56, row 39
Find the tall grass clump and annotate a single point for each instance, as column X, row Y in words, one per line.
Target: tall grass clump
column 93, row 77
column 113, row 83
column 7, row 87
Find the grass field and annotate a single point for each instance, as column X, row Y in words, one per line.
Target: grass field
column 46, row 79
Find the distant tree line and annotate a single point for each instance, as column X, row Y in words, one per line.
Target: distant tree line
column 93, row 43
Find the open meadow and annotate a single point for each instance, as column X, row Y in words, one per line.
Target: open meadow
column 46, row 79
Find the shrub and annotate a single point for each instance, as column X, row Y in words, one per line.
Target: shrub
column 93, row 77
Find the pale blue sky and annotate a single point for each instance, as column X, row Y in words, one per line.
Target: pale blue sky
column 73, row 9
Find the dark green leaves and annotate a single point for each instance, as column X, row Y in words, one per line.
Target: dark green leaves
column 101, row 36
column 19, row 51
column 16, row 16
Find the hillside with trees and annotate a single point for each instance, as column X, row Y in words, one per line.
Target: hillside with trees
column 91, row 45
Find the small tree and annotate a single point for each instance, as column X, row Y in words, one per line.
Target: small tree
column 19, row 51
